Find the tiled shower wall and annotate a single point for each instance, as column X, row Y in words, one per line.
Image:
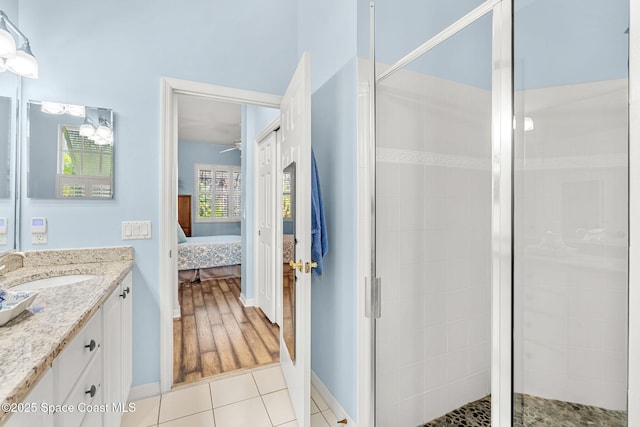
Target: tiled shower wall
column 433, row 247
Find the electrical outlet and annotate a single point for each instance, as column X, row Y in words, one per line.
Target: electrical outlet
column 39, row 239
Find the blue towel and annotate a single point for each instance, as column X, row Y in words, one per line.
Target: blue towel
column 319, row 242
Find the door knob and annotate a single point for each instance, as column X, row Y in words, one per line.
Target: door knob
column 295, row 265
column 310, row 265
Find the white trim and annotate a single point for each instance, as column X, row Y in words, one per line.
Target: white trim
column 634, row 216
column 273, row 126
column 144, row 391
column 176, row 313
column 501, row 216
column 443, row 35
column 330, row 400
column 247, row 302
column 170, row 88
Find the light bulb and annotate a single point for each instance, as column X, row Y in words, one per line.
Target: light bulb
column 104, row 131
column 75, row 110
column 7, row 42
column 87, row 130
column 52, row 107
column 24, row 63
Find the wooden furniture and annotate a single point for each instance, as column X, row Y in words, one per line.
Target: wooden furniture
column 184, row 213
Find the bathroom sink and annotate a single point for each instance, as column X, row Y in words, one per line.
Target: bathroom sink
column 52, row 282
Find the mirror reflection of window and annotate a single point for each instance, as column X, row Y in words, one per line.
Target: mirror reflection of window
column 289, row 254
column 286, row 196
column 70, row 151
column 83, row 165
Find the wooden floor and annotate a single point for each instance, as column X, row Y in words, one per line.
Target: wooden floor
column 217, row 334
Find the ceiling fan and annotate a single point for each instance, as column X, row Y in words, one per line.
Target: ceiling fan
column 237, row 146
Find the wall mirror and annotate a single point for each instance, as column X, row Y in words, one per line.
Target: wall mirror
column 289, row 254
column 70, row 151
column 9, row 91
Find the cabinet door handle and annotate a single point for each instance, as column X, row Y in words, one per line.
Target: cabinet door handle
column 127, row 290
column 91, row 346
column 91, row 391
column 123, row 295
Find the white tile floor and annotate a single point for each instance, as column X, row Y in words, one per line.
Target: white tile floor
column 258, row 398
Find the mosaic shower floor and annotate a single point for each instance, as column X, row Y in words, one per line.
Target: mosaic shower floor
column 535, row 412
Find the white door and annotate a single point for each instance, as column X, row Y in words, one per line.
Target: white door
column 267, row 175
column 295, row 151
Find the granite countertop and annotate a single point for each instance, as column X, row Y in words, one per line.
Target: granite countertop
column 31, row 341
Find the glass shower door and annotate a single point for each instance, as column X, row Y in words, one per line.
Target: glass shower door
column 571, row 213
column 433, row 228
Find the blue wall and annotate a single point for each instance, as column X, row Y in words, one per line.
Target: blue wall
column 114, row 57
column 570, row 41
column 545, row 31
column 333, row 296
column 329, row 31
column 190, row 153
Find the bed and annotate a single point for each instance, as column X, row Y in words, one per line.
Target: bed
column 205, row 257
column 217, row 257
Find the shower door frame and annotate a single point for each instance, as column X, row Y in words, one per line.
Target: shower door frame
column 501, row 191
column 502, row 204
column 633, row 392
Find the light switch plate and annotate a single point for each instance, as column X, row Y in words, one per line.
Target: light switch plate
column 136, row 230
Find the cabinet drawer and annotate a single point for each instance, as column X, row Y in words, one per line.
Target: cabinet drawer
column 73, row 359
column 93, row 418
column 79, row 397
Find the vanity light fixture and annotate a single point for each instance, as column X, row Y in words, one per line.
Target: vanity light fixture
column 58, row 108
column 52, row 108
column 87, row 129
column 19, row 60
column 102, row 134
column 104, row 130
column 7, row 42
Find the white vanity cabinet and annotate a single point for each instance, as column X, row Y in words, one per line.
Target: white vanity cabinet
column 92, row 374
column 117, row 319
column 42, row 392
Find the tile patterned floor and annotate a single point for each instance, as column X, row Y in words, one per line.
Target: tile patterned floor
column 258, row 398
column 532, row 411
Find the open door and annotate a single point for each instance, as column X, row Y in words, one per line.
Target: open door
column 295, row 156
column 267, row 214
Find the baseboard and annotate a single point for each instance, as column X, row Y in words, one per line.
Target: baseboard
column 330, row 400
column 144, row 391
column 247, row 302
column 176, row 313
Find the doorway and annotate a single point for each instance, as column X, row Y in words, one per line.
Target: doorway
column 217, row 330
column 295, row 109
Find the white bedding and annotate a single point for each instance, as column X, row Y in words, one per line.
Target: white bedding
column 209, row 251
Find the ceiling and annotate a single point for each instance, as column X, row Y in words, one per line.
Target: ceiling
column 208, row 120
